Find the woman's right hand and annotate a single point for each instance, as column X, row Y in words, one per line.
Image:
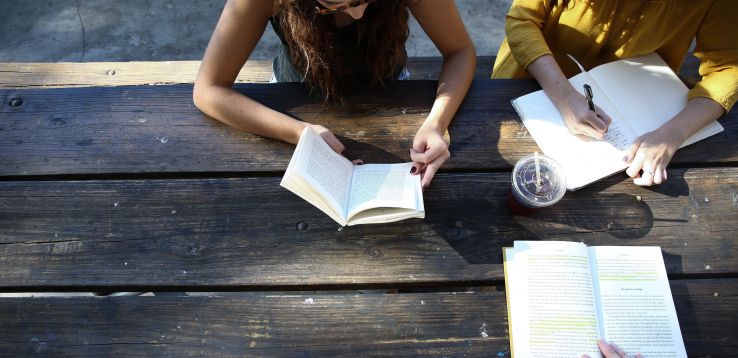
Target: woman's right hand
column 329, row 138
column 579, row 119
column 333, row 142
column 573, row 106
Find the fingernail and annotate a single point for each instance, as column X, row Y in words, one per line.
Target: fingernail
column 413, row 170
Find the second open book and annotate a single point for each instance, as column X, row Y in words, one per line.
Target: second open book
column 352, row 194
column 563, row 296
column 640, row 94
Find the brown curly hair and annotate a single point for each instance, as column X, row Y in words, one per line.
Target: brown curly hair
column 382, row 34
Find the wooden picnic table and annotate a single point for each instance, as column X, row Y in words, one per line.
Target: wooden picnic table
column 131, row 188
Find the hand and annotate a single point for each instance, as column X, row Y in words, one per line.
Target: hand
column 580, row 120
column 333, row 142
column 329, row 138
column 428, row 153
column 610, row 350
column 651, row 153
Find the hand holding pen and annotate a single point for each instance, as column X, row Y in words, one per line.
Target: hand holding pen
column 590, row 120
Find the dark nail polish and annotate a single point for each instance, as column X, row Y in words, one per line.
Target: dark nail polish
column 413, row 170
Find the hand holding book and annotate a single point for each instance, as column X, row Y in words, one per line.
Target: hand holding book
column 610, row 350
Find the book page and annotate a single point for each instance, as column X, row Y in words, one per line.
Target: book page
column 551, row 300
column 584, row 160
column 325, row 170
column 636, row 308
column 383, row 186
column 647, row 92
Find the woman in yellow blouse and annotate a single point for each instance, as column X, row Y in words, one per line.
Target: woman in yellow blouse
column 541, row 32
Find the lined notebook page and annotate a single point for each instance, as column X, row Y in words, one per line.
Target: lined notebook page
column 647, row 93
column 584, row 161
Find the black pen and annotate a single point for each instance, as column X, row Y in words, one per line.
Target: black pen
column 589, row 95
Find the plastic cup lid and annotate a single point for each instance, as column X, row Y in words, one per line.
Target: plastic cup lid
column 529, row 191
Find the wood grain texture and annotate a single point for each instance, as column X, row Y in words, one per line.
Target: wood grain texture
column 157, row 129
column 94, row 74
column 243, row 232
column 265, row 325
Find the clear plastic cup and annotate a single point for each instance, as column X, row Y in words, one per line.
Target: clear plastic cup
column 527, row 194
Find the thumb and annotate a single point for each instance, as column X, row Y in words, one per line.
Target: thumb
column 632, row 150
column 416, row 152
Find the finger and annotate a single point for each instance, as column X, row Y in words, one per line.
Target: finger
column 430, row 172
column 646, row 179
column 658, row 175
column 333, row 142
column 604, row 117
column 619, row 351
column 432, row 168
column 596, row 122
column 429, row 155
column 635, row 166
column 632, row 150
column 589, row 131
column 357, row 162
column 607, row 350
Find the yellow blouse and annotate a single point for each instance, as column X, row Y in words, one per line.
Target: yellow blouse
column 601, row 31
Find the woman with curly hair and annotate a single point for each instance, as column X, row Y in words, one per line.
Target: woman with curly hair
column 328, row 44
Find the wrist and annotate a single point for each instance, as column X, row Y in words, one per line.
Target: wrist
column 562, row 95
column 297, row 130
column 674, row 135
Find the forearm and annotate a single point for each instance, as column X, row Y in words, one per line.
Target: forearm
column 453, row 84
column 549, row 75
column 243, row 113
column 698, row 113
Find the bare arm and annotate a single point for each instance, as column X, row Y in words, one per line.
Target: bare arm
column 441, row 22
column 240, row 27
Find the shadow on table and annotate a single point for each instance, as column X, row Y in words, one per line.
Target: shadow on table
column 622, row 216
column 478, row 226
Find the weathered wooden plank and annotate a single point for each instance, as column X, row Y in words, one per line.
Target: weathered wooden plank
column 89, row 235
column 257, row 324
column 85, row 74
column 158, row 129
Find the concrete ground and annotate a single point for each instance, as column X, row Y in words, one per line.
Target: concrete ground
column 159, row 30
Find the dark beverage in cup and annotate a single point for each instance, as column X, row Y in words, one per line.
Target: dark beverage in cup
column 537, row 182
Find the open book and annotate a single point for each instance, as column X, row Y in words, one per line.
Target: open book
column 563, row 296
column 352, row 194
column 640, row 94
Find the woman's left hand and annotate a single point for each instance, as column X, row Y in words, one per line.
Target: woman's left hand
column 651, row 153
column 429, row 152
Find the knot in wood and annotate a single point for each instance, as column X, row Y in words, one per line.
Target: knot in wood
column 302, row 226
column 192, row 248
column 373, row 252
column 110, row 73
column 15, row 102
